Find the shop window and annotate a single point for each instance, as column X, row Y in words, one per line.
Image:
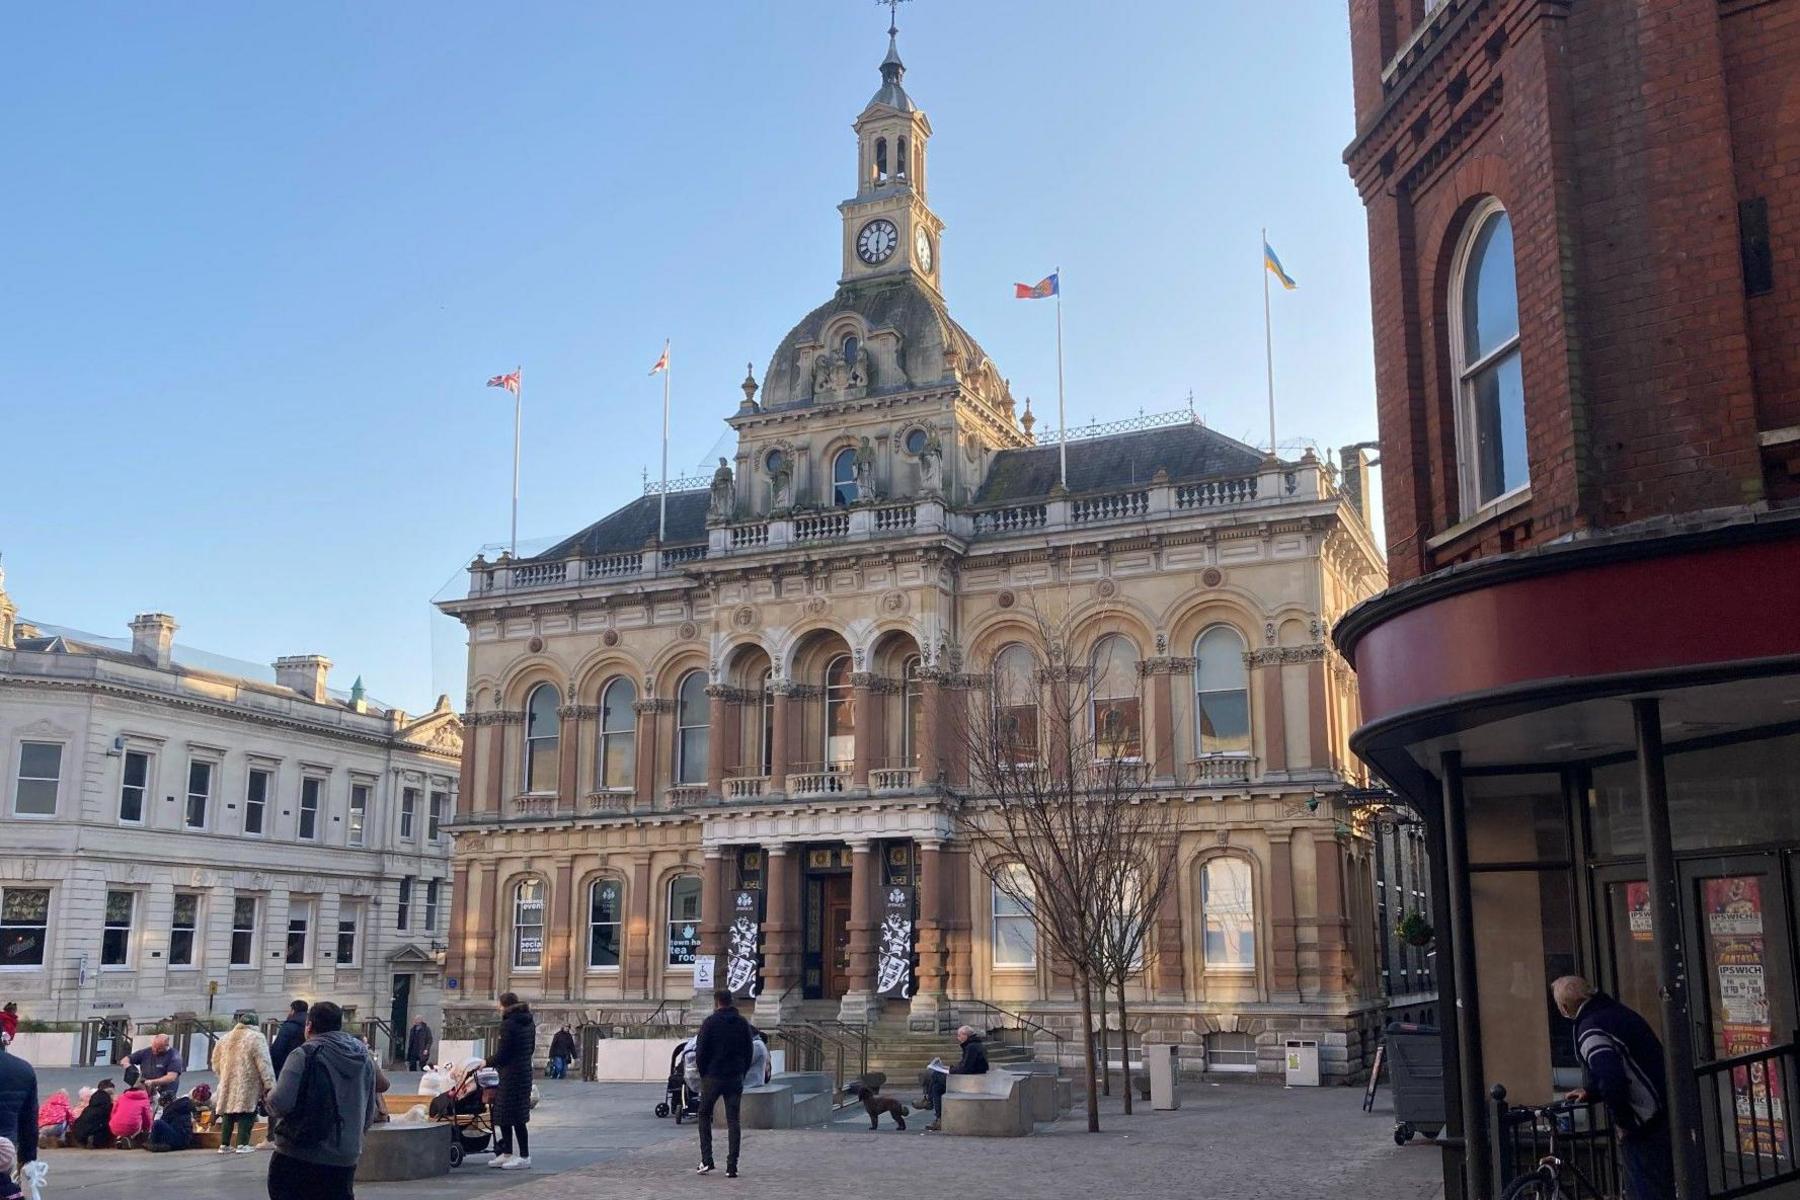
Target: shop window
column 24, row 925
column 684, row 921
column 603, row 924
column 528, row 925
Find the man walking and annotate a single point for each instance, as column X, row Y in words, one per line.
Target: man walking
column 722, row 1055
column 562, row 1052
column 418, row 1045
column 1623, row 1064
column 323, row 1102
column 289, row 1036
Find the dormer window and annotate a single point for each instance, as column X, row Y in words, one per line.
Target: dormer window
column 851, row 345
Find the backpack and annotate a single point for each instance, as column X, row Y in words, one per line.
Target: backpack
column 315, row 1118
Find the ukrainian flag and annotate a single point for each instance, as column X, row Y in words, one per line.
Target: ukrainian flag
column 1274, row 264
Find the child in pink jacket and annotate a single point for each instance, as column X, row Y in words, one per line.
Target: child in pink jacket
column 131, row 1116
column 55, row 1116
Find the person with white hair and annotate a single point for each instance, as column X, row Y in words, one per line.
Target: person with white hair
column 1622, row 1063
column 935, row 1080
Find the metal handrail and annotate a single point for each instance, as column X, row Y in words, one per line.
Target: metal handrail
column 1023, row 1022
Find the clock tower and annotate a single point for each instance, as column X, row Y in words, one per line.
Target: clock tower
column 888, row 229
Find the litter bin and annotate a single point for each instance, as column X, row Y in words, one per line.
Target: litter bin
column 1415, row 1060
column 1302, row 1062
column 1164, row 1065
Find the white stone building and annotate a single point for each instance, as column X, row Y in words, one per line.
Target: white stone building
column 167, row 830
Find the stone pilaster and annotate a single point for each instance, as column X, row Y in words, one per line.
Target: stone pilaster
column 860, row 1005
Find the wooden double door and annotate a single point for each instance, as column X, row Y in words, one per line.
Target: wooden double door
column 827, row 960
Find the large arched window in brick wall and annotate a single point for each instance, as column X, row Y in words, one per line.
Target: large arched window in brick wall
column 1485, row 351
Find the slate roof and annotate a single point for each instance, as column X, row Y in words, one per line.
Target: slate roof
column 1186, row 452
column 627, row 529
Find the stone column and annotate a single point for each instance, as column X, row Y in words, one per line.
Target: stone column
column 571, row 733
column 1171, row 949
column 493, row 797
column 932, row 971
column 1317, row 696
column 1274, row 713
column 931, row 717
column 647, row 743
column 1284, row 967
column 558, row 960
column 959, row 922
column 1162, row 721
column 860, row 1004
column 466, row 775
column 487, row 901
column 637, row 928
column 720, row 746
column 1333, row 923
column 781, row 716
column 714, row 898
column 870, row 732
column 782, row 930
column 460, row 942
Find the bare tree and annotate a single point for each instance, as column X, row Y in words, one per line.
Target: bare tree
column 1131, row 890
column 1057, row 799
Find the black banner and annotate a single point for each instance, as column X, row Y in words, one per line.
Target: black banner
column 741, row 957
column 894, row 944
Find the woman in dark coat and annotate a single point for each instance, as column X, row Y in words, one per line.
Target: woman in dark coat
column 512, row 1100
column 93, row 1128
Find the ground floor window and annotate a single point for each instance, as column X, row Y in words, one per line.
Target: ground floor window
column 243, row 931
column 1230, row 1052
column 684, row 920
column 299, row 925
column 24, row 926
column 115, row 934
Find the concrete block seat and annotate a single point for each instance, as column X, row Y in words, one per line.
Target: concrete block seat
column 1048, row 1093
column 990, row 1105
column 789, row 1100
column 404, row 1151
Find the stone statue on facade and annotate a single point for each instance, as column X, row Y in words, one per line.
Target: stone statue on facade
column 864, row 466
column 931, row 464
column 723, row 504
column 781, row 486
column 859, row 371
column 821, row 374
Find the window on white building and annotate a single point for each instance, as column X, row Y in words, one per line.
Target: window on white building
column 1015, row 926
column 115, row 930
column 24, row 926
column 528, row 925
column 348, row 919
column 431, row 905
column 403, row 910
column 1484, row 323
column 603, row 923
column 184, row 924
column 440, row 803
column 409, row 804
column 299, row 947
column 199, row 793
column 243, row 931
column 134, row 785
column 310, row 790
column 40, row 772
column 359, row 814
column 684, row 921
column 256, row 800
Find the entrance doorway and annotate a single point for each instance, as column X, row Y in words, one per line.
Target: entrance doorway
column 836, row 908
column 400, row 1017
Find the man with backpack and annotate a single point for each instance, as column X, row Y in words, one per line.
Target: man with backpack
column 323, row 1102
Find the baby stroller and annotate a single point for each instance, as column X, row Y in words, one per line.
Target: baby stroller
column 465, row 1107
column 683, row 1099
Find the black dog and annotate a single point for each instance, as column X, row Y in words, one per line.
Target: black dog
column 874, row 1103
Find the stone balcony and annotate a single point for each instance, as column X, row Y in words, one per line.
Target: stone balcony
column 1276, row 485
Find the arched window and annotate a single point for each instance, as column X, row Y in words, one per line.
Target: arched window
column 1221, row 692
column 1116, row 715
column 1016, row 702
column 603, row 923
column 528, row 925
column 843, row 477
column 1015, row 926
column 1484, row 321
column 1228, row 916
column 851, row 344
column 692, row 718
column 684, row 921
column 900, row 158
column 618, row 735
column 881, row 163
column 840, row 715
column 912, row 711
column 541, row 736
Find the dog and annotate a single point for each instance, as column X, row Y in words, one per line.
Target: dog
column 874, row 1103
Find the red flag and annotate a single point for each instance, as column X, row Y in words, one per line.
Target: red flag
column 662, row 363
column 509, row 382
column 1047, row 286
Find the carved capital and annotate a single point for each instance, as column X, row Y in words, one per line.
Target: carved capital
column 1272, row 656
column 1165, row 665
column 729, row 694
column 643, row 707
column 578, row 712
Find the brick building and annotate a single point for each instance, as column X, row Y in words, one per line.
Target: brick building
column 1584, row 225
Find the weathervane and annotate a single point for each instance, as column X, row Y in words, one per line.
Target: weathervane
column 893, row 7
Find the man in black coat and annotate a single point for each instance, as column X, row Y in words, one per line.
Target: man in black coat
column 289, row 1036
column 936, row 1083
column 418, row 1046
column 19, row 1105
column 722, row 1055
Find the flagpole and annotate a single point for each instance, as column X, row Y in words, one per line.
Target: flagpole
column 1268, row 340
column 518, row 404
column 1062, row 423
column 662, row 509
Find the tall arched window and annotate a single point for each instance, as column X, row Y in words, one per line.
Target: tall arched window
column 881, row 160
column 912, row 711
column 1016, row 701
column 843, row 477
column 604, row 909
column 840, row 715
column 1115, row 712
column 618, row 735
column 1484, row 320
column 542, row 729
column 528, row 925
column 684, row 921
column 765, row 737
column 850, row 347
column 1228, row 916
column 900, row 158
column 1221, row 692
column 692, row 719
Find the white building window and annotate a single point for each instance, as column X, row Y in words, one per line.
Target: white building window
column 409, row 805
column 403, row 910
column 134, row 787
column 1015, row 926
column 684, row 921
column 440, row 802
column 349, row 917
column 1228, row 916
column 603, row 924
column 1484, row 340
column 543, row 732
column 24, row 926
column 199, row 794
column 40, row 773
column 1221, row 692
column 359, row 813
column 1116, row 719
column 528, row 925
column 243, row 931
column 184, row 925
column 310, row 790
column 431, row 905
column 299, row 930
column 115, row 931
column 692, row 720
column 618, row 735
column 256, row 800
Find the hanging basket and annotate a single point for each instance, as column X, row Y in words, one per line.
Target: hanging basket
column 1415, row 930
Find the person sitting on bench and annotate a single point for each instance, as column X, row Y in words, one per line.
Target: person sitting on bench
column 936, row 1082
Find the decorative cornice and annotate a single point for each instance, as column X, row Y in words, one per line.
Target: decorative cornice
column 876, row 682
column 579, row 712
column 1283, row 655
column 644, row 707
column 731, row 695
column 1165, row 665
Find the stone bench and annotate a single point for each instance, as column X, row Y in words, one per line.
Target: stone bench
column 990, row 1105
column 788, row 1101
column 404, row 1151
column 398, row 1103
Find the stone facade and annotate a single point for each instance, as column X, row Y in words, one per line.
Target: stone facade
column 168, row 826
column 760, row 703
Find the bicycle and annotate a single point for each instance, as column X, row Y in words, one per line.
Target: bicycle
column 1550, row 1179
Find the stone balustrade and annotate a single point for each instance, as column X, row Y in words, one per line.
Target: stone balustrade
column 534, row 806
column 1222, row 768
column 893, row 779
column 818, row 783
column 685, row 795
column 746, row 787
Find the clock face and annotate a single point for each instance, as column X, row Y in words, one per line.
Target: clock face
column 922, row 249
column 876, row 242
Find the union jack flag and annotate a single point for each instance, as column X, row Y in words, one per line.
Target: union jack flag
column 510, row 382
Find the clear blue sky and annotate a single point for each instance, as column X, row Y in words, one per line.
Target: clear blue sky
column 260, row 259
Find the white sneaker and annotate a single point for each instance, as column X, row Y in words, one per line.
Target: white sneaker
column 500, row 1160
column 516, row 1164
column 246, row 1148
column 224, row 1149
